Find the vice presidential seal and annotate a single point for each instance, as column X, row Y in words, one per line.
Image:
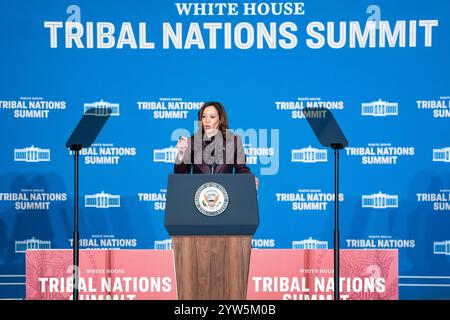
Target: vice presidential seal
column 211, row 199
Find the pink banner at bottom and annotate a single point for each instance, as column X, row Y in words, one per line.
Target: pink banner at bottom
column 292, row 274
column 103, row 275
column 275, row 274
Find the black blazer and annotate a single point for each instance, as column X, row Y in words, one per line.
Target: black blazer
column 230, row 160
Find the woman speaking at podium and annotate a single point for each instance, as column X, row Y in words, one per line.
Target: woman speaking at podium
column 213, row 148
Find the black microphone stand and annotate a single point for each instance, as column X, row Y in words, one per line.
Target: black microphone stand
column 329, row 134
column 76, row 148
column 336, row 147
column 212, row 167
column 83, row 136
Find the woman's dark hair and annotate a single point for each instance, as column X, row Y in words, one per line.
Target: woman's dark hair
column 223, row 119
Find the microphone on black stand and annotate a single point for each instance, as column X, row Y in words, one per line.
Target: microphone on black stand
column 213, row 166
column 211, row 154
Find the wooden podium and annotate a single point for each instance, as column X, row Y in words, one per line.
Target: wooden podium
column 212, row 247
column 212, row 267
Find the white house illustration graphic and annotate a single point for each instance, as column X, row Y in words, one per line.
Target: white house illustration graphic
column 442, row 247
column 101, row 108
column 441, row 155
column 22, row 246
column 32, row 154
column 310, row 243
column 309, row 155
column 102, row 200
column 165, row 244
column 380, row 201
column 379, row 108
column 167, row 155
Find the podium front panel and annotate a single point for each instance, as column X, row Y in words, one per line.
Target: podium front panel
column 184, row 217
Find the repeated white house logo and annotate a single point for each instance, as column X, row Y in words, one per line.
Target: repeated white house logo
column 379, row 201
column 379, row 108
column 166, row 155
column 32, row 154
column 30, row 244
column 309, row 155
column 442, row 247
column 211, row 199
column 102, row 200
column 441, row 155
column 309, row 243
column 101, row 108
column 165, row 244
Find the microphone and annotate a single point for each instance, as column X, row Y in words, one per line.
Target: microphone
column 211, row 157
column 213, row 165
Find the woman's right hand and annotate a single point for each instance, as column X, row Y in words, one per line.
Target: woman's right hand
column 182, row 146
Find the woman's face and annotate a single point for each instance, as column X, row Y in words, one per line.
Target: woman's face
column 210, row 120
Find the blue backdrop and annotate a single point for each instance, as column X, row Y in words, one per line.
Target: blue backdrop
column 381, row 67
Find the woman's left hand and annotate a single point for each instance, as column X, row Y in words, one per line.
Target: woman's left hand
column 256, row 183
